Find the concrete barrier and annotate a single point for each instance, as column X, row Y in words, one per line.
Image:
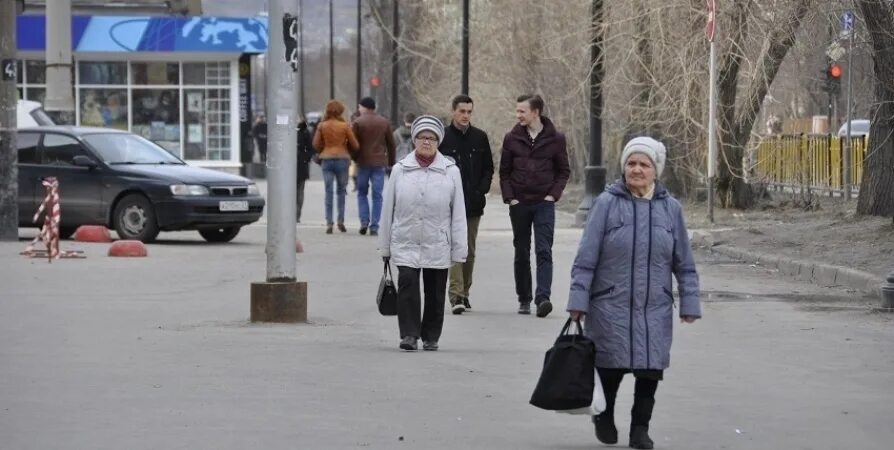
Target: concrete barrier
column 92, row 233
column 128, row 249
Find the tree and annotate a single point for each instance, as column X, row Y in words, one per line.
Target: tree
column 736, row 115
column 877, row 187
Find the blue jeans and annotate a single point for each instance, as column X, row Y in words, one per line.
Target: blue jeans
column 541, row 217
column 365, row 176
column 335, row 174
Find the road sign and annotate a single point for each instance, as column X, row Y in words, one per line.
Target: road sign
column 9, row 69
column 847, row 24
column 835, row 51
column 290, row 40
column 710, row 28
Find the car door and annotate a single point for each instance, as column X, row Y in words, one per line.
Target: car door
column 27, row 146
column 80, row 193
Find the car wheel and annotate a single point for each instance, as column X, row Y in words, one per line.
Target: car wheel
column 135, row 219
column 223, row 234
column 67, row 232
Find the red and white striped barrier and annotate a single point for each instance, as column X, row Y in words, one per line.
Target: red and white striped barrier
column 49, row 232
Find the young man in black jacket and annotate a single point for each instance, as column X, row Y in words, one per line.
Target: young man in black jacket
column 470, row 148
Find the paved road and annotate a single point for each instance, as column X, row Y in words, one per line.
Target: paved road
column 157, row 353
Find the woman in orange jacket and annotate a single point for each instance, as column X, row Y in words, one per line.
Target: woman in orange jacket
column 334, row 141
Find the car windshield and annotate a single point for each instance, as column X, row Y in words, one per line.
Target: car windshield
column 121, row 148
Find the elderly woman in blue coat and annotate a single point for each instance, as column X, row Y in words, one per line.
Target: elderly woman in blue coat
column 634, row 241
column 423, row 232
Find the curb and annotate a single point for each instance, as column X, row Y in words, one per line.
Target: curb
column 810, row 271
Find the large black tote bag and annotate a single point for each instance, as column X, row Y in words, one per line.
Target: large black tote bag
column 387, row 295
column 567, row 379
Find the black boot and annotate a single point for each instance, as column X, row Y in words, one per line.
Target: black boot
column 606, row 431
column 641, row 414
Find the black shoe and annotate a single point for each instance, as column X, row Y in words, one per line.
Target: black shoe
column 373, row 233
column 408, row 343
column 544, row 308
column 328, row 229
column 341, row 227
column 606, row 431
column 362, row 230
column 639, row 437
column 457, row 307
column 430, row 346
column 524, row 308
column 466, row 303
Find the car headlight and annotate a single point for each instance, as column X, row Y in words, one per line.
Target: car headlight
column 188, row 189
column 253, row 189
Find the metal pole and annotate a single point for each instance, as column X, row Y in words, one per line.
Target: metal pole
column 281, row 157
column 465, row 64
column 848, row 149
column 281, row 298
column 301, row 57
column 9, row 188
column 712, row 133
column 331, row 53
column 359, row 51
column 395, row 73
column 595, row 171
column 60, row 91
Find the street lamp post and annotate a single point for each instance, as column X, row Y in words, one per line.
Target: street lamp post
column 9, row 210
column 395, row 73
column 331, row 52
column 281, row 298
column 465, row 63
column 595, row 171
column 359, row 51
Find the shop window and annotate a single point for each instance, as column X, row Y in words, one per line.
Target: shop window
column 206, row 115
column 20, row 74
column 36, row 94
column 90, row 72
column 103, row 108
column 155, row 73
column 36, row 72
column 156, row 116
column 212, row 73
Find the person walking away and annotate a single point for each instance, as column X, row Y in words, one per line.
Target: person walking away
column 533, row 173
column 402, row 139
column 334, row 140
column 376, row 153
column 305, row 154
column 259, row 131
column 423, row 232
column 470, row 148
column 634, row 240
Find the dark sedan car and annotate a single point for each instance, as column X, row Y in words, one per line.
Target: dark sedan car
column 128, row 183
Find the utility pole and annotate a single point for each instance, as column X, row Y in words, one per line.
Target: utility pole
column 301, row 57
column 60, row 90
column 465, row 68
column 395, row 73
column 359, row 51
column 331, row 52
column 281, row 298
column 848, row 29
column 9, row 174
column 710, row 31
column 595, row 171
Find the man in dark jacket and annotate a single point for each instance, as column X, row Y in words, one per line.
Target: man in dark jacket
column 376, row 153
column 305, row 154
column 470, row 148
column 259, row 131
column 533, row 173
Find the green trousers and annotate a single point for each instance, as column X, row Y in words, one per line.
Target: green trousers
column 461, row 273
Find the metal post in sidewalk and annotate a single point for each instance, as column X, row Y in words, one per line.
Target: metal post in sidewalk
column 59, row 101
column 464, row 88
column 887, row 292
column 331, row 52
column 849, row 146
column 395, row 73
column 359, row 80
column 9, row 209
column 710, row 31
column 595, row 170
column 281, row 298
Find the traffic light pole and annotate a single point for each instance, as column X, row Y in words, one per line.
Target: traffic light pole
column 281, row 298
column 9, row 204
column 848, row 148
column 595, row 170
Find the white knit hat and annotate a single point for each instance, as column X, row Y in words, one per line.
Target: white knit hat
column 428, row 123
column 650, row 147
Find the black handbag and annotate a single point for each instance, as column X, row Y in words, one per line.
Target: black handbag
column 566, row 381
column 387, row 296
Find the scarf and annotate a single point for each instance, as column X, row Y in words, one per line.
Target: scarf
column 425, row 161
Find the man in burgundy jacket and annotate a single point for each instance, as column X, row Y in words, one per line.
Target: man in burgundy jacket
column 533, row 173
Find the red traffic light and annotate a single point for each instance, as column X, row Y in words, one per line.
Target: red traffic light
column 375, row 81
column 835, row 71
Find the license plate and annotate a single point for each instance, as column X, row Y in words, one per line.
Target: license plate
column 241, row 205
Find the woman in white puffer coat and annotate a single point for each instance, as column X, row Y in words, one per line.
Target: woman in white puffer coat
column 423, row 231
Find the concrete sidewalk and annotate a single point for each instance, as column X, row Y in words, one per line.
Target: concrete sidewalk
column 152, row 353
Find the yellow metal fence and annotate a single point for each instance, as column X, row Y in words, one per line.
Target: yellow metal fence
column 813, row 161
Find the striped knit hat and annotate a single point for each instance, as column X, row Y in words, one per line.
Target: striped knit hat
column 428, row 123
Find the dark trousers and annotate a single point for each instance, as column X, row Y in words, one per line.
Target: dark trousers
column 410, row 319
column 299, row 199
column 643, row 395
column 542, row 217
